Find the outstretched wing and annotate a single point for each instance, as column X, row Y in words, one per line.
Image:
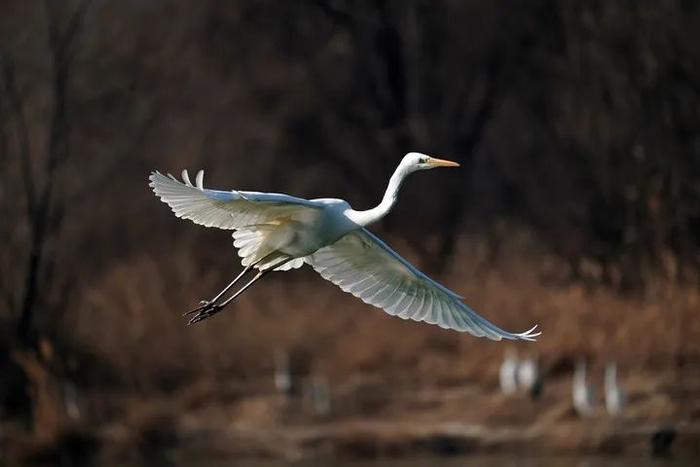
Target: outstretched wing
column 228, row 210
column 363, row 265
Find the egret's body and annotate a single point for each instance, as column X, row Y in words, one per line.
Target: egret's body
column 274, row 231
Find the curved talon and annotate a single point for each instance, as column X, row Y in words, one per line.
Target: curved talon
column 204, row 314
column 203, row 307
column 187, row 313
column 196, row 319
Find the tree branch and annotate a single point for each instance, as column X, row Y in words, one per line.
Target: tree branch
column 467, row 143
column 58, row 152
column 8, row 298
column 17, row 108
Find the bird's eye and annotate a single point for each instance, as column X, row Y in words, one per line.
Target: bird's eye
column 423, row 160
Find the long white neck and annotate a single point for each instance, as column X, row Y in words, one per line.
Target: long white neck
column 370, row 216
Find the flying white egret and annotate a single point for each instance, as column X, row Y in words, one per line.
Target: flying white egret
column 278, row 232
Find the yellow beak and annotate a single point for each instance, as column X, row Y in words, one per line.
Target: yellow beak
column 441, row 163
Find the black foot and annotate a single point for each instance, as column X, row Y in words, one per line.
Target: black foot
column 203, row 312
column 203, row 305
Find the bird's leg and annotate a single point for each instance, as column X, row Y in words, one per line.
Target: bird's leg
column 206, row 303
column 214, row 308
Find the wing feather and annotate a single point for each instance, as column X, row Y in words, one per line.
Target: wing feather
column 363, row 265
column 227, row 210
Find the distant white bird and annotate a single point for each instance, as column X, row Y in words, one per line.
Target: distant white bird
column 529, row 376
column 614, row 395
column 318, row 394
column 283, row 374
column 277, row 232
column 582, row 392
column 508, row 373
column 71, row 399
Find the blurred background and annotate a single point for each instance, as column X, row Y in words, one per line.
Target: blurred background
column 577, row 207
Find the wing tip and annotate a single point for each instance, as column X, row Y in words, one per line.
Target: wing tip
column 154, row 178
column 154, row 175
column 157, row 178
column 530, row 335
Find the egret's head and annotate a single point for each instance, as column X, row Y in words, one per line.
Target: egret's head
column 414, row 161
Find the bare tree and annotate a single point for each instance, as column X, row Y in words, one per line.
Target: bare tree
column 43, row 208
column 43, row 203
column 37, row 291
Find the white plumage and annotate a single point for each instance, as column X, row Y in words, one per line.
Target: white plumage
column 614, row 395
column 582, row 392
column 283, row 378
column 508, row 373
column 529, row 374
column 275, row 231
column 361, row 264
